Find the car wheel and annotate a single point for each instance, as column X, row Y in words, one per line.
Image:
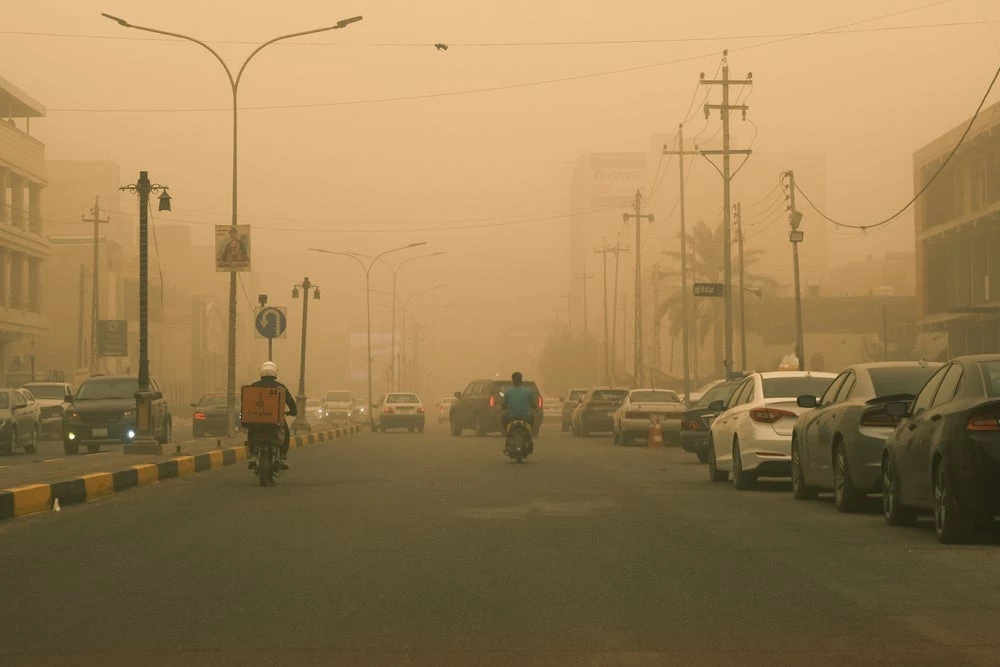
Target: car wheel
column 702, row 456
column 846, row 496
column 616, row 437
column 895, row 513
column 951, row 523
column 800, row 489
column 714, row 474
column 196, row 432
column 480, row 426
column 456, row 429
column 70, row 449
column 742, row 479
column 10, row 446
column 410, row 429
column 32, row 446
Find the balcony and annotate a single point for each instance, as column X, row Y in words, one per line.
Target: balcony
column 22, row 152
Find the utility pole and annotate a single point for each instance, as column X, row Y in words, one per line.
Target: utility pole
column 603, row 251
column 569, row 312
column 612, row 345
column 637, row 338
column 725, row 109
column 656, row 324
column 796, row 236
column 685, row 307
column 586, row 346
column 95, row 316
column 885, row 335
column 79, row 336
column 743, row 319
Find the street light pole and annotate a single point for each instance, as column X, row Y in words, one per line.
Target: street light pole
column 144, row 441
column 234, row 83
column 300, row 423
column 395, row 274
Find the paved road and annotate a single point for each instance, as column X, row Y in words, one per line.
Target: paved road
column 395, row 549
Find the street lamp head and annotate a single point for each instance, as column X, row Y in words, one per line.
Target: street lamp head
column 121, row 22
column 343, row 23
column 164, row 201
column 295, row 292
column 316, row 294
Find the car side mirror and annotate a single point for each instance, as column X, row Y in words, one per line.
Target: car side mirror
column 458, row 394
column 806, row 401
column 897, row 409
column 18, row 406
column 717, row 406
column 68, row 398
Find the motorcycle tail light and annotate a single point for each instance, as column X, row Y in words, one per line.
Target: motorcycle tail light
column 493, row 401
column 199, row 415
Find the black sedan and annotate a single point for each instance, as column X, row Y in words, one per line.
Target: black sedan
column 696, row 422
column 945, row 454
column 838, row 444
column 209, row 415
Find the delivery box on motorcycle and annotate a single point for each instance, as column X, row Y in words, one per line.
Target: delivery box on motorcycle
column 262, row 405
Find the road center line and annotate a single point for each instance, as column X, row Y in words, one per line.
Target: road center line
column 61, row 458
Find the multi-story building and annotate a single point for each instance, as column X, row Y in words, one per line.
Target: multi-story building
column 23, row 246
column 958, row 236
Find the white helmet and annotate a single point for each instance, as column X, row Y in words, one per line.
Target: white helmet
column 269, row 369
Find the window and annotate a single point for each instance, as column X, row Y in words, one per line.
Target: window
column 608, row 395
column 576, row 394
column 901, row 379
column 794, row 386
column 830, row 395
column 845, row 391
column 740, row 393
column 721, row 392
column 402, row 398
column 212, row 399
column 338, row 397
column 654, row 397
column 108, row 388
column 53, row 391
column 949, row 385
column 991, row 376
column 923, row 400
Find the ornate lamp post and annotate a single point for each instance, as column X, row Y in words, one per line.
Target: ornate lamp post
column 300, row 423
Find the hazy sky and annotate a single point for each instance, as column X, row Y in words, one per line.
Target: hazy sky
column 367, row 176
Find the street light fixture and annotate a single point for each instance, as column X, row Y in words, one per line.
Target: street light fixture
column 234, row 83
column 367, row 269
column 394, row 370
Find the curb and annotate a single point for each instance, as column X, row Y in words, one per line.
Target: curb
column 35, row 498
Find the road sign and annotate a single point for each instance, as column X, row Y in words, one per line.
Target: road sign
column 271, row 322
column 112, row 338
column 709, row 289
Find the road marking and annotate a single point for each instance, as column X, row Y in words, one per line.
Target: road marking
column 61, row 458
column 3, row 467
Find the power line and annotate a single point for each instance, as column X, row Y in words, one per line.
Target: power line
column 913, row 200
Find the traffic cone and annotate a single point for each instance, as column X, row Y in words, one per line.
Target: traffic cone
column 55, row 506
column 655, row 439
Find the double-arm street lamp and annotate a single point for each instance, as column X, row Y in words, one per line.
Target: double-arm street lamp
column 234, row 83
column 395, row 273
column 367, row 269
column 301, row 423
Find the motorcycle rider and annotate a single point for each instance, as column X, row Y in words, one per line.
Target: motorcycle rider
column 518, row 403
column 269, row 378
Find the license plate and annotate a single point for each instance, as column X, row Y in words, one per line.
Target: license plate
column 99, row 432
column 610, row 414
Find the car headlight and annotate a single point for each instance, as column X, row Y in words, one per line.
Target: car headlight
column 126, row 414
column 73, row 414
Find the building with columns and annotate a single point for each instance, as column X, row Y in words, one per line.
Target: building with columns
column 23, row 245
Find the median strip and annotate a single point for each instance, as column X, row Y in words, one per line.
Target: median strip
column 34, row 498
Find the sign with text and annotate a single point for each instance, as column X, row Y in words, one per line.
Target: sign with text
column 232, row 248
column 709, row 289
column 112, row 338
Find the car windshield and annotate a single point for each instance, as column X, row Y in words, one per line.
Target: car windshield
column 108, row 388
column 721, row 392
column 576, row 394
column 338, row 396
column 991, row 377
column 402, row 398
column 608, row 395
column 901, row 380
column 654, row 397
column 209, row 400
column 527, row 385
column 57, row 391
column 790, row 387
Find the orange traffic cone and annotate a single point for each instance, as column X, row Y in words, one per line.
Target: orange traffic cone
column 655, row 435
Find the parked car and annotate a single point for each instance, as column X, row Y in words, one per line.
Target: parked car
column 444, row 408
column 209, row 416
column 338, row 406
column 314, row 410
column 20, row 415
column 569, row 404
column 51, row 397
column 837, row 443
column 697, row 420
column 399, row 410
column 944, row 456
column 103, row 413
column 552, row 408
column 752, row 436
column 640, row 408
column 479, row 407
column 595, row 413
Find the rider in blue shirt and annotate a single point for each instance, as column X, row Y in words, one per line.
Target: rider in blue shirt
column 518, row 403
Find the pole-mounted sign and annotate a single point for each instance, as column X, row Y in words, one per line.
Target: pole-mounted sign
column 709, row 289
column 271, row 322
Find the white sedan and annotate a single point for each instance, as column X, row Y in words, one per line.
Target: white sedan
column 641, row 408
column 752, row 436
column 399, row 410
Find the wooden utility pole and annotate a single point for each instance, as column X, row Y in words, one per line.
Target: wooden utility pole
column 638, row 216
column 743, row 319
column 79, row 336
column 95, row 315
column 609, row 335
column 586, row 345
column 796, row 236
column 726, row 109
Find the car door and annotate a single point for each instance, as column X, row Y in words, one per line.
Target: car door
column 463, row 406
column 909, row 466
column 22, row 417
column 725, row 424
column 929, row 433
column 34, row 411
column 811, row 448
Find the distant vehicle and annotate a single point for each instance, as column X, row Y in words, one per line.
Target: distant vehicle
column 945, row 454
column 359, row 411
column 752, row 436
column 696, row 395
column 480, row 405
column 399, row 410
column 697, row 420
column 314, row 410
column 51, row 397
column 640, row 408
column 209, row 416
column 837, row 444
column 103, row 413
column 20, row 414
column 338, row 405
column 595, row 413
column 552, row 408
column 444, row 408
column 569, row 404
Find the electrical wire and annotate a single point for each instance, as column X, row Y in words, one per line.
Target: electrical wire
column 934, row 176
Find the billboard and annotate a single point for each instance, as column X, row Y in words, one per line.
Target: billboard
column 381, row 355
column 232, row 248
column 611, row 179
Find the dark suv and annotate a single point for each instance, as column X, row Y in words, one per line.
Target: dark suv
column 478, row 407
column 103, row 413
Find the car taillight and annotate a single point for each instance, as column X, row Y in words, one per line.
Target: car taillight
column 983, row 423
column 689, row 425
column 387, row 410
column 493, row 401
column 541, row 402
column 199, row 415
column 879, row 419
column 769, row 415
column 420, row 409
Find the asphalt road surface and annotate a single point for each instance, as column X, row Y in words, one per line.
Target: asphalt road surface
column 400, row 549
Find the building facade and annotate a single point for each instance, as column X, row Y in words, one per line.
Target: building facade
column 23, row 246
column 958, row 236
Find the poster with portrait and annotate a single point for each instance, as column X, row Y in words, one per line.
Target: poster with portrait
column 232, row 248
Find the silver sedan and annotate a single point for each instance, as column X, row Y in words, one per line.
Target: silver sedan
column 641, row 408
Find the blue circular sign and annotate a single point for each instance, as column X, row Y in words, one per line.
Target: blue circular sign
column 271, row 322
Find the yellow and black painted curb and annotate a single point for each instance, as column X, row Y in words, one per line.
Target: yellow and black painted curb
column 35, row 498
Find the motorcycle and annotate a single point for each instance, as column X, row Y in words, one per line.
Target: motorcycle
column 519, row 444
column 266, row 442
